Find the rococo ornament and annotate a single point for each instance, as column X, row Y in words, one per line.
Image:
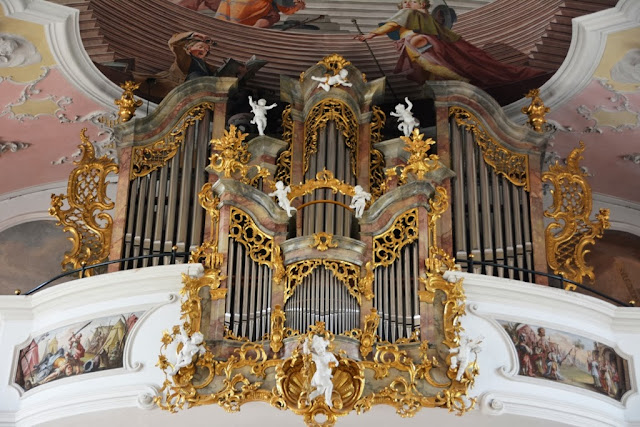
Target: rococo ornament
column 127, row 103
column 536, row 111
column 567, row 237
column 419, row 163
column 86, row 218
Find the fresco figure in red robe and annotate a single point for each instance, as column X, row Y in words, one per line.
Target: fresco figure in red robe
column 431, row 51
column 257, row 13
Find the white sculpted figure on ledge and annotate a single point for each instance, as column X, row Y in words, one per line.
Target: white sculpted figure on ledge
column 462, row 357
column 259, row 110
column 324, row 361
column 338, row 79
column 191, row 345
column 359, row 200
column 406, row 121
column 283, row 201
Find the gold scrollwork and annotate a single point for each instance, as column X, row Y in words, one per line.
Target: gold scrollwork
column 420, row 163
column 369, row 337
column 403, row 231
column 127, row 104
column 513, row 166
column 243, row 230
column 536, row 111
column 331, row 109
column 323, row 241
column 207, row 253
column 571, row 231
column 277, row 328
column 346, row 272
column 231, row 155
column 86, row 218
column 324, row 179
column 334, row 62
column 150, row 157
column 283, row 166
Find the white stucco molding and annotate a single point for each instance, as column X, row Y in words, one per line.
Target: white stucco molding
column 588, row 41
column 63, row 33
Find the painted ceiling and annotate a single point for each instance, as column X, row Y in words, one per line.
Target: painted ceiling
column 57, row 89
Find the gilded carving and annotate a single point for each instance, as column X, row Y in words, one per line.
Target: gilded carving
column 86, row 218
column 334, row 62
column 513, row 166
column 323, row 241
column 403, row 231
column 571, row 232
column 258, row 244
column 345, row 272
column 231, row 155
column 277, row 328
column 324, row 179
column 148, row 158
column 536, row 111
column 331, row 109
column 420, row 163
column 369, row 337
column 283, row 166
column 207, row 253
column 127, row 104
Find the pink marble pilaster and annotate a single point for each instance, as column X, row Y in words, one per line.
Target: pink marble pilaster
column 537, row 218
column 120, row 211
column 443, row 139
column 363, row 158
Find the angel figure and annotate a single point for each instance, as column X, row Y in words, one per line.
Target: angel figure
column 406, row 121
column 462, row 357
column 191, row 345
column 339, row 79
column 324, row 361
column 359, row 200
column 283, row 201
column 259, row 110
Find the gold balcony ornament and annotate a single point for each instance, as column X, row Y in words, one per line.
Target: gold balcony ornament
column 127, row 103
column 231, row 156
column 86, row 218
column 420, row 163
column 536, row 111
column 567, row 237
column 323, row 241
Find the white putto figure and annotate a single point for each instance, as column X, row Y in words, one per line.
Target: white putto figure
column 359, row 200
column 191, row 345
column 324, row 361
column 259, row 110
column 462, row 358
column 283, row 201
column 338, row 79
column 406, row 121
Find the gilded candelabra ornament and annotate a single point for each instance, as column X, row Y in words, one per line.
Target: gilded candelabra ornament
column 147, row 158
column 420, row 163
column 127, row 103
column 231, row 155
column 513, row 166
column 536, row 111
column 571, row 231
column 86, row 218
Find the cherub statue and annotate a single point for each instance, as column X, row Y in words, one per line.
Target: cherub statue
column 191, row 345
column 406, row 121
column 359, row 200
column 283, row 201
column 324, row 361
column 462, row 358
column 338, row 79
column 259, row 110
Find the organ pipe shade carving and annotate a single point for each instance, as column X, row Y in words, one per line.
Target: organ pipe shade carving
column 403, row 231
column 324, row 179
column 512, row 165
column 571, row 231
column 86, row 218
column 283, row 166
column 258, row 244
column 345, row 272
column 345, row 119
column 148, row 158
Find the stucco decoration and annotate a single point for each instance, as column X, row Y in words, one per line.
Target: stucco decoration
column 618, row 117
column 12, row 146
column 627, row 70
column 633, row 157
column 16, row 51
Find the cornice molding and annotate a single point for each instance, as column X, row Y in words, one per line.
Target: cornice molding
column 588, row 41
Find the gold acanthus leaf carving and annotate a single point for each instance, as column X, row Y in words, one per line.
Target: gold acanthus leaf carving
column 283, row 166
column 377, row 166
column 150, row 157
column 420, row 163
column 345, row 272
column 323, row 241
column 231, row 155
column 324, row 179
column 127, row 104
column 244, row 230
column 277, row 328
column 334, row 62
column 335, row 110
column 567, row 237
column 536, row 111
column 403, row 231
column 513, row 166
column 207, row 253
column 86, row 218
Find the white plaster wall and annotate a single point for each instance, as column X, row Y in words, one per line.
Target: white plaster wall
column 118, row 396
